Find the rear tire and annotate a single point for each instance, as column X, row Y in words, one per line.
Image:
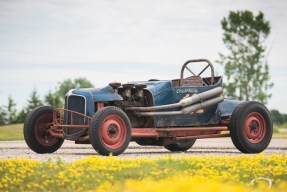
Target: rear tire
column 110, row 131
column 145, row 142
column 180, row 146
column 36, row 133
column 251, row 127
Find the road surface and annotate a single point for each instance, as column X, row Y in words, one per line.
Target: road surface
column 70, row 151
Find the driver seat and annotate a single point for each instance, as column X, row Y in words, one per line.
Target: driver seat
column 191, row 81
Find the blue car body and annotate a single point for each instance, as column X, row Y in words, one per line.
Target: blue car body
column 163, row 92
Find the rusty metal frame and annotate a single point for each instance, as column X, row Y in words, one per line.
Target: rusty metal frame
column 203, row 136
column 58, row 119
column 220, row 128
column 58, row 122
column 181, row 133
column 178, row 133
column 145, row 132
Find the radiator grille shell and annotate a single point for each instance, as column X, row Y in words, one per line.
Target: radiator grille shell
column 74, row 103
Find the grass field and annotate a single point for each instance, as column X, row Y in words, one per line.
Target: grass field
column 204, row 173
column 11, row 132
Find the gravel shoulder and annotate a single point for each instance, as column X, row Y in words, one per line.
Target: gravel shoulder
column 70, row 151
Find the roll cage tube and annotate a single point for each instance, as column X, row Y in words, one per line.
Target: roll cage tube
column 209, row 65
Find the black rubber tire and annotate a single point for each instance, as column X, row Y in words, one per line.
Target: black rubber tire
column 144, row 143
column 149, row 141
column 97, row 136
column 238, row 123
column 180, row 146
column 30, row 135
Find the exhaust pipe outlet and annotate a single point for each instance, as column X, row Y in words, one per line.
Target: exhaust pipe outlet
column 207, row 103
column 200, row 97
column 186, row 110
column 184, row 102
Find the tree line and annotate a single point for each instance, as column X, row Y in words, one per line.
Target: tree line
column 277, row 117
column 55, row 98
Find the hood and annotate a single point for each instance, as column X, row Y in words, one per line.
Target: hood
column 97, row 94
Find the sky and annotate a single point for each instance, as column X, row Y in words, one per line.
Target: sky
column 44, row 42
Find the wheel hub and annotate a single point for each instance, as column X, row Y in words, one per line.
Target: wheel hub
column 112, row 130
column 42, row 128
column 255, row 127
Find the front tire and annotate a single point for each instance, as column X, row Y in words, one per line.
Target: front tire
column 36, row 131
column 180, row 146
column 251, row 127
column 110, row 131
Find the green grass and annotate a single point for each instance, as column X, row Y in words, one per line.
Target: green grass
column 11, row 132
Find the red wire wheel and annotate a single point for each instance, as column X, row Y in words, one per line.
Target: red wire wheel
column 251, row 127
column 36, row 131
column 110, row 131
column 255, row 127
column 113, row 131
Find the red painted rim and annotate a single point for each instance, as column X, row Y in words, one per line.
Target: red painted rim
column 113, row 131
column 255, row 127
column 42, row 133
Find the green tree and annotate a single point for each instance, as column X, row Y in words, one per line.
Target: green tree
column 284, row 116
column 11, row 111
column 3, row 116
column 69, row 84
column 277, row 117
column 56, row 98
column 53, row 99
column 245, row 64
column 33, row 102
column 21, row 115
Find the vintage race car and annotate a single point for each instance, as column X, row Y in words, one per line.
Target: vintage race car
column 169, row 113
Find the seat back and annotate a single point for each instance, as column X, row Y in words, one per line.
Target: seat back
column 192, row 81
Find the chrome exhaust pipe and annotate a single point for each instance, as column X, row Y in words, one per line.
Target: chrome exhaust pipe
column 183, row 102
column 201, row 96
column 202, row 105
column 186, row 110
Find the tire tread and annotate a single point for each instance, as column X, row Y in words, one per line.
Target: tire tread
column 237, row 132
column 95, row 126
column 29, row 129
column 180, row 146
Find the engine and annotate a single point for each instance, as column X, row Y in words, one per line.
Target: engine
column 132, row 94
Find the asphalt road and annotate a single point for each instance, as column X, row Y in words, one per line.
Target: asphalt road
column 70, row 151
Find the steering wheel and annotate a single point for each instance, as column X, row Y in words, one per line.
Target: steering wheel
column 185, row 67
